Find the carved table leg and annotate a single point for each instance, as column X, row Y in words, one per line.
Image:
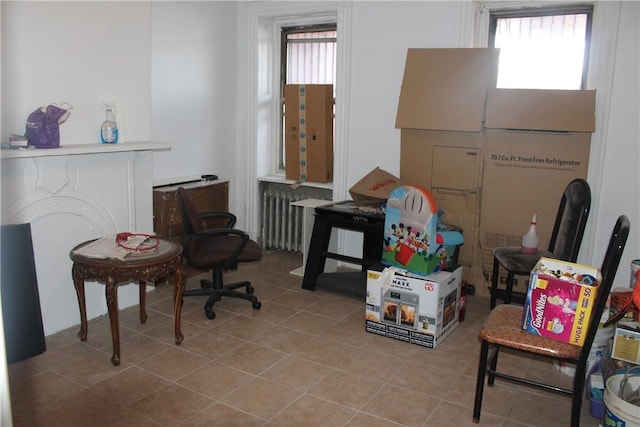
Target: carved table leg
column 111, row 292
column 177, row 302
column 78, row 283
column 143, row 298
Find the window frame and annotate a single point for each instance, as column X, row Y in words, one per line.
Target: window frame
column 532, row 12
column 285, row 30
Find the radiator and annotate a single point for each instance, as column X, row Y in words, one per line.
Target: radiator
column 281, row 221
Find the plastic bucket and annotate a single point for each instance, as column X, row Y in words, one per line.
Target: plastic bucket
column 618, row 412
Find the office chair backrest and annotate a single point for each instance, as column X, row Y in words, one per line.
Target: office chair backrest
column 190, row 216
column 571, row 221
column 608, row 270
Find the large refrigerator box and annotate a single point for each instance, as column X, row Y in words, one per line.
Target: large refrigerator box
column 490, row 157
column 538, row 141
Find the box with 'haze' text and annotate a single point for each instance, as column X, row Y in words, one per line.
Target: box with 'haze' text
column 421, row 310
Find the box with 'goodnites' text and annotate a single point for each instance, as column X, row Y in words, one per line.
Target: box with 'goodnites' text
column 560, row 299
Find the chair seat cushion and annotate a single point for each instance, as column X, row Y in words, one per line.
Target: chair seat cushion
column 206, row 253
column 512, row 259
column 503, row 327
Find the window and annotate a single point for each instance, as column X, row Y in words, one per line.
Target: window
column 543, row 48
column 308, row 57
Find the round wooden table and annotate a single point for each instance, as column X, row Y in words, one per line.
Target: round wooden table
column 142, row 267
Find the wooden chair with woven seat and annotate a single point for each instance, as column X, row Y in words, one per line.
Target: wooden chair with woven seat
column 502, row 329
column 564, row 243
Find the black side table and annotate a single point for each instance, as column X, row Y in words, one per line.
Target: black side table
column 344, row 215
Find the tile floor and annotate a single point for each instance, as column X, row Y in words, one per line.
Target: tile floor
column 303, row 359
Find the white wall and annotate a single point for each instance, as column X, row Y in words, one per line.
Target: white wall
column 80, row 53
column 382, row 32
column 193, row 84
column 6, row 418
column 619, row 154
column 170, row 52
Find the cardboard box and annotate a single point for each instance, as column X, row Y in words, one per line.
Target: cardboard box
column 309, row 132
column 560, row 299
column 440, row 114
column 626, row 342
column 421, row 310
column 536, row 139
column 459, row 135
column 412, row 239
column 374, row 188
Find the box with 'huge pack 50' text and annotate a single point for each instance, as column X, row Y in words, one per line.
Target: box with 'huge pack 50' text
column 421, row 310
column 560, row 299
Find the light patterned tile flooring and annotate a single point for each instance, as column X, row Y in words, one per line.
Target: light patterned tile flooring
column 303, row 359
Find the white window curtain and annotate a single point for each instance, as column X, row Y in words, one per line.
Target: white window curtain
column 310, row 62
column 541, row 52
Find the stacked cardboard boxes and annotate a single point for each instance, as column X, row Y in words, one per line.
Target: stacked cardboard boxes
column 416, row 298
column 490, row 157
column 440, row 114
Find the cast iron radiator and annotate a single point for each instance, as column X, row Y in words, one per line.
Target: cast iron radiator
column 282, row 222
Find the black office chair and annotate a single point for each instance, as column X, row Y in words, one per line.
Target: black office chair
column 564, row 244
column 218, row 249
column 502, row 329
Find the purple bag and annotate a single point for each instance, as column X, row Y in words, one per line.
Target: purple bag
column 43, row 125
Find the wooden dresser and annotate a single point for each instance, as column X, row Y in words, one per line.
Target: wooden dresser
column 207, row 196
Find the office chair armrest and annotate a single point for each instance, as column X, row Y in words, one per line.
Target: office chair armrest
column 227, row 216
column 208, row 234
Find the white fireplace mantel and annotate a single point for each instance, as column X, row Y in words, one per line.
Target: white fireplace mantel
column 72, row 194
column 69, row 150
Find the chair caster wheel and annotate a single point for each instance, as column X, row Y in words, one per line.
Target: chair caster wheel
column 249, row 290
column 257, row 305
column 209, row 313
